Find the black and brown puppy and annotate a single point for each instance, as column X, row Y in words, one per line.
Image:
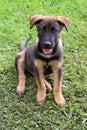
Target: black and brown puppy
column 44, row 57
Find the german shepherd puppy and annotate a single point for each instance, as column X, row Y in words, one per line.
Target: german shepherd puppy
column 43, row 58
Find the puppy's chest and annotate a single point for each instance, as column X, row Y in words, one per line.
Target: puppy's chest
column 47, row 69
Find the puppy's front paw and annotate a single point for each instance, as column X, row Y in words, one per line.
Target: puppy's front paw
column 41, row 97
column 20, row 90
column 40, row 101
column 59, row 99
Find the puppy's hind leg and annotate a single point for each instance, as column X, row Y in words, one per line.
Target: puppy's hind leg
column 48, row 86
column 21, row 75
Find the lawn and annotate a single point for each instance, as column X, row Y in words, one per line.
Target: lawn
column 23, row 113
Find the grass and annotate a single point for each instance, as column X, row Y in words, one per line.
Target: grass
column 22, row 113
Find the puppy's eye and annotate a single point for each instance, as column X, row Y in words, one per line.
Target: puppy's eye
column 44, row 28
column 53, row 29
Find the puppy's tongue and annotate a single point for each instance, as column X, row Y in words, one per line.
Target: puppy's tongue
column 47, row 51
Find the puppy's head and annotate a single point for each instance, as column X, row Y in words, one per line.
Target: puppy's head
column 48, row 28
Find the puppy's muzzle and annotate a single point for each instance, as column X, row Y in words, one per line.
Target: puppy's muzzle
column 47, row 45
column 47, row 48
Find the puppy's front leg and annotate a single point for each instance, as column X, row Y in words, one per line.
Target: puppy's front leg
column 41, row 92
column 57, row 90
column 40, row 80
column 58, row 96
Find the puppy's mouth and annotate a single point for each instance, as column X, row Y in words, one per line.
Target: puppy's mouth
column 47, row 51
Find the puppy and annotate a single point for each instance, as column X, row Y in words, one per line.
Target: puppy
column 43, row 58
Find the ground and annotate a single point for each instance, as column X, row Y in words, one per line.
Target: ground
column 23, row 113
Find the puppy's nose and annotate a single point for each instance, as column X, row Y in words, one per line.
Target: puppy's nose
column 47, row 44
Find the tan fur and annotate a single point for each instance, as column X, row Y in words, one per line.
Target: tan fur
column 55, row 64
column 62, row 19
column 21, row 75
column 39, row 63
column 41, row 92
column 57, row 90
column 42, row 84
column 48, row 86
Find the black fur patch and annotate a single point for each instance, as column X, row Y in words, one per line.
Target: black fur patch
column 16, row 61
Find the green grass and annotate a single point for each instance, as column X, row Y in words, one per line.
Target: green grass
column 23, row 113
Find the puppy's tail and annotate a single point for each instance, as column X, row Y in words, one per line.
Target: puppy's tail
column 22, row 46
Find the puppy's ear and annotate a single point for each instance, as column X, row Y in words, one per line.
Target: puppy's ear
column 36, row 19
column 64, row 21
